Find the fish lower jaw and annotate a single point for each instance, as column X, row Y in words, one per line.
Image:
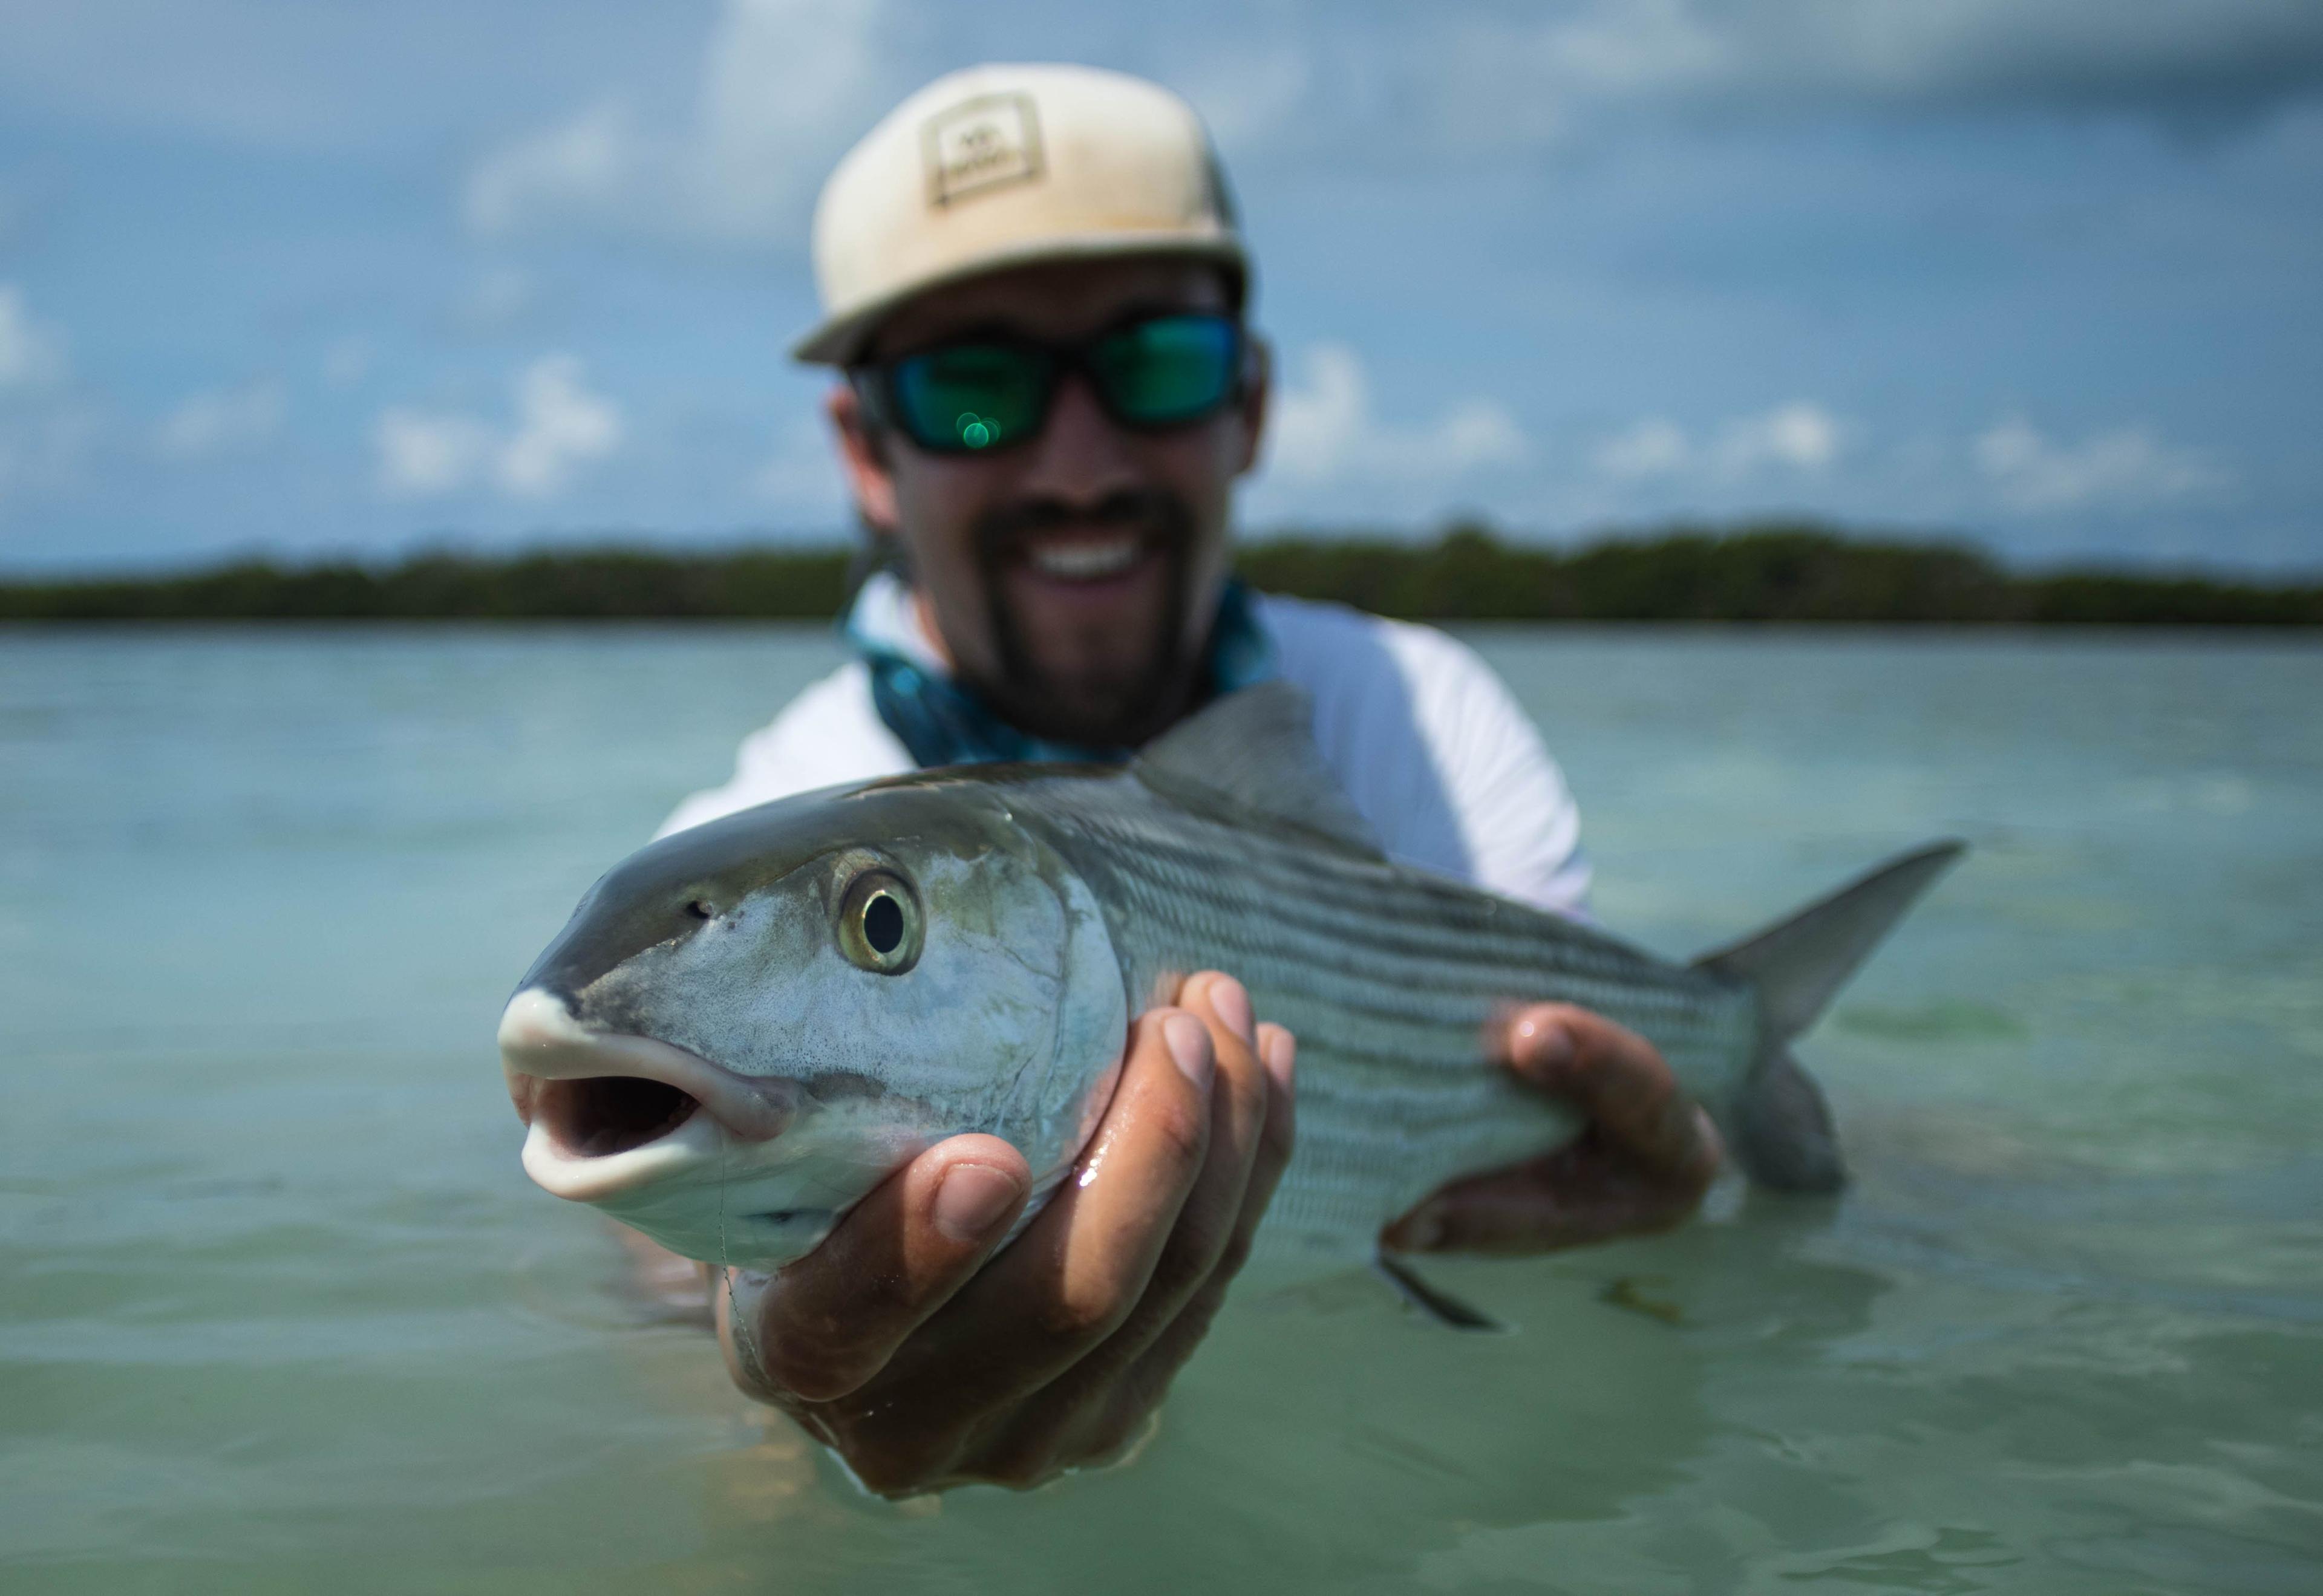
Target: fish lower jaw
column 697, row 1192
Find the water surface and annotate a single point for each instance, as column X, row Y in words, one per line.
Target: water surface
column 279, row 1311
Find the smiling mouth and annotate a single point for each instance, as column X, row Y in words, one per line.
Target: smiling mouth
column 1086, row 559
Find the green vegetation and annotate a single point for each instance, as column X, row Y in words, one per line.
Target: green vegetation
column 577, row 584
column 1755, row 573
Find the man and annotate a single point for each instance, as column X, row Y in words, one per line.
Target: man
column 1034, row 287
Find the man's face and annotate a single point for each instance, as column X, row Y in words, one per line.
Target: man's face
column 1071, row 579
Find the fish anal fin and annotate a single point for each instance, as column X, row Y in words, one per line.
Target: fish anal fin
column 1782, row 1131
column 1257, row 749
column 1443, row 1308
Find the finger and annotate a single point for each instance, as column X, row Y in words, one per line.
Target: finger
column 1277, row 1141
column 1212, row 1216
column 1075, row 1274
column 1643, row 1164
column 830, row 1322
column 1253, row 1118
column 1622, row 1086
column 1142, row 1386
column 1240, row 1106
column 1579, row 1195
column 1278, row 1050
column 1147, row 1381
column 1091, row 1409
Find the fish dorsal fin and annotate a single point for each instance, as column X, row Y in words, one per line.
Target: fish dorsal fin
column 1257, row 747
column 1800, row 964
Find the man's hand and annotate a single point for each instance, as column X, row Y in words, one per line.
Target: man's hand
column 887, row 1343
column 1642, row 1165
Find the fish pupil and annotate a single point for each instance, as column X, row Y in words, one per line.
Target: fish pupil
column 882, row 923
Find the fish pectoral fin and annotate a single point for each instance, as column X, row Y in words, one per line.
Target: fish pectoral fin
column 1421, row 1298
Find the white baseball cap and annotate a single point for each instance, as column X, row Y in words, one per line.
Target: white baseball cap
column 1000, row 166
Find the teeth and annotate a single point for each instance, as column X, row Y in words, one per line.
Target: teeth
column 1085, row 562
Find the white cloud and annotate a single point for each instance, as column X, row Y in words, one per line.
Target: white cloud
column 2127, row 467
column 32, row 351
column 1800, row 436
column 1322, row 430
column 205, row 425
column 585, row 166
column 422, row 454
column 559, row 427
column 785, row 85
column 1654, row 448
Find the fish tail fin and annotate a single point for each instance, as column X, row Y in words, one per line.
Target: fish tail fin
column 1780, row 1126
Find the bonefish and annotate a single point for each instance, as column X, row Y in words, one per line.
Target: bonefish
column 746, row 1026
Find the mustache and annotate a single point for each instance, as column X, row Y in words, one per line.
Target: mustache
column 1154, row 510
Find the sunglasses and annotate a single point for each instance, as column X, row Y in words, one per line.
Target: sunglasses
column 994, row 392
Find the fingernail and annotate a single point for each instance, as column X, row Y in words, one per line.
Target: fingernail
column 1230, row 1001
column 1189, row 1041
column 1545, row 1043
column 1278, row 1050
column 971, row 1200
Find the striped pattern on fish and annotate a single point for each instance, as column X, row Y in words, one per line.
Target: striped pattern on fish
column 746, row 1026
column 1388, row 975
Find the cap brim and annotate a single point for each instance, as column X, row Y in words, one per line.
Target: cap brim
column 837, row 340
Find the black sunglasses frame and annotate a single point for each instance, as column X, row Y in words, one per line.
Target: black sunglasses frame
column 873, row 381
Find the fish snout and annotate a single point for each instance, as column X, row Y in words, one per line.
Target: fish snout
column 597, row 1098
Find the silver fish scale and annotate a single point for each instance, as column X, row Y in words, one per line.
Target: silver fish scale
column 1388, row 975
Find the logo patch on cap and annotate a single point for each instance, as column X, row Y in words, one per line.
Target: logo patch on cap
column 981, row 143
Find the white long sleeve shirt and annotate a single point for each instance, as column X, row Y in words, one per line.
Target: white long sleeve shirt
column 1426, row 739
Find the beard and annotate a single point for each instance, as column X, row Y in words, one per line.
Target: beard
column 1121, row 704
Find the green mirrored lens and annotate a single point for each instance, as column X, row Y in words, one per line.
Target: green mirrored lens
column 969, row 396
column 1171, row 368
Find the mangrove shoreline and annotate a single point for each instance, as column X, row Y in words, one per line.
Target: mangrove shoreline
column 1762, row 573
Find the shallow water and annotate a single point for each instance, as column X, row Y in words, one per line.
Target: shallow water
column 279, row 1312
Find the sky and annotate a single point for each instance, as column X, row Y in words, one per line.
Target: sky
column 314, row 278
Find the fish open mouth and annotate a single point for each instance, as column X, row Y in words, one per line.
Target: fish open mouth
column 750, row 1171
column 598, row 1116
column 609, row 1109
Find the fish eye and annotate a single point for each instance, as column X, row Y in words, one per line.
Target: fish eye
column 879, row 923
column 701, row 909
column 882, row 923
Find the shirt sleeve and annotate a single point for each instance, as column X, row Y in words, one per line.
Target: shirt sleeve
column 1519, row 825
column 829, row 734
